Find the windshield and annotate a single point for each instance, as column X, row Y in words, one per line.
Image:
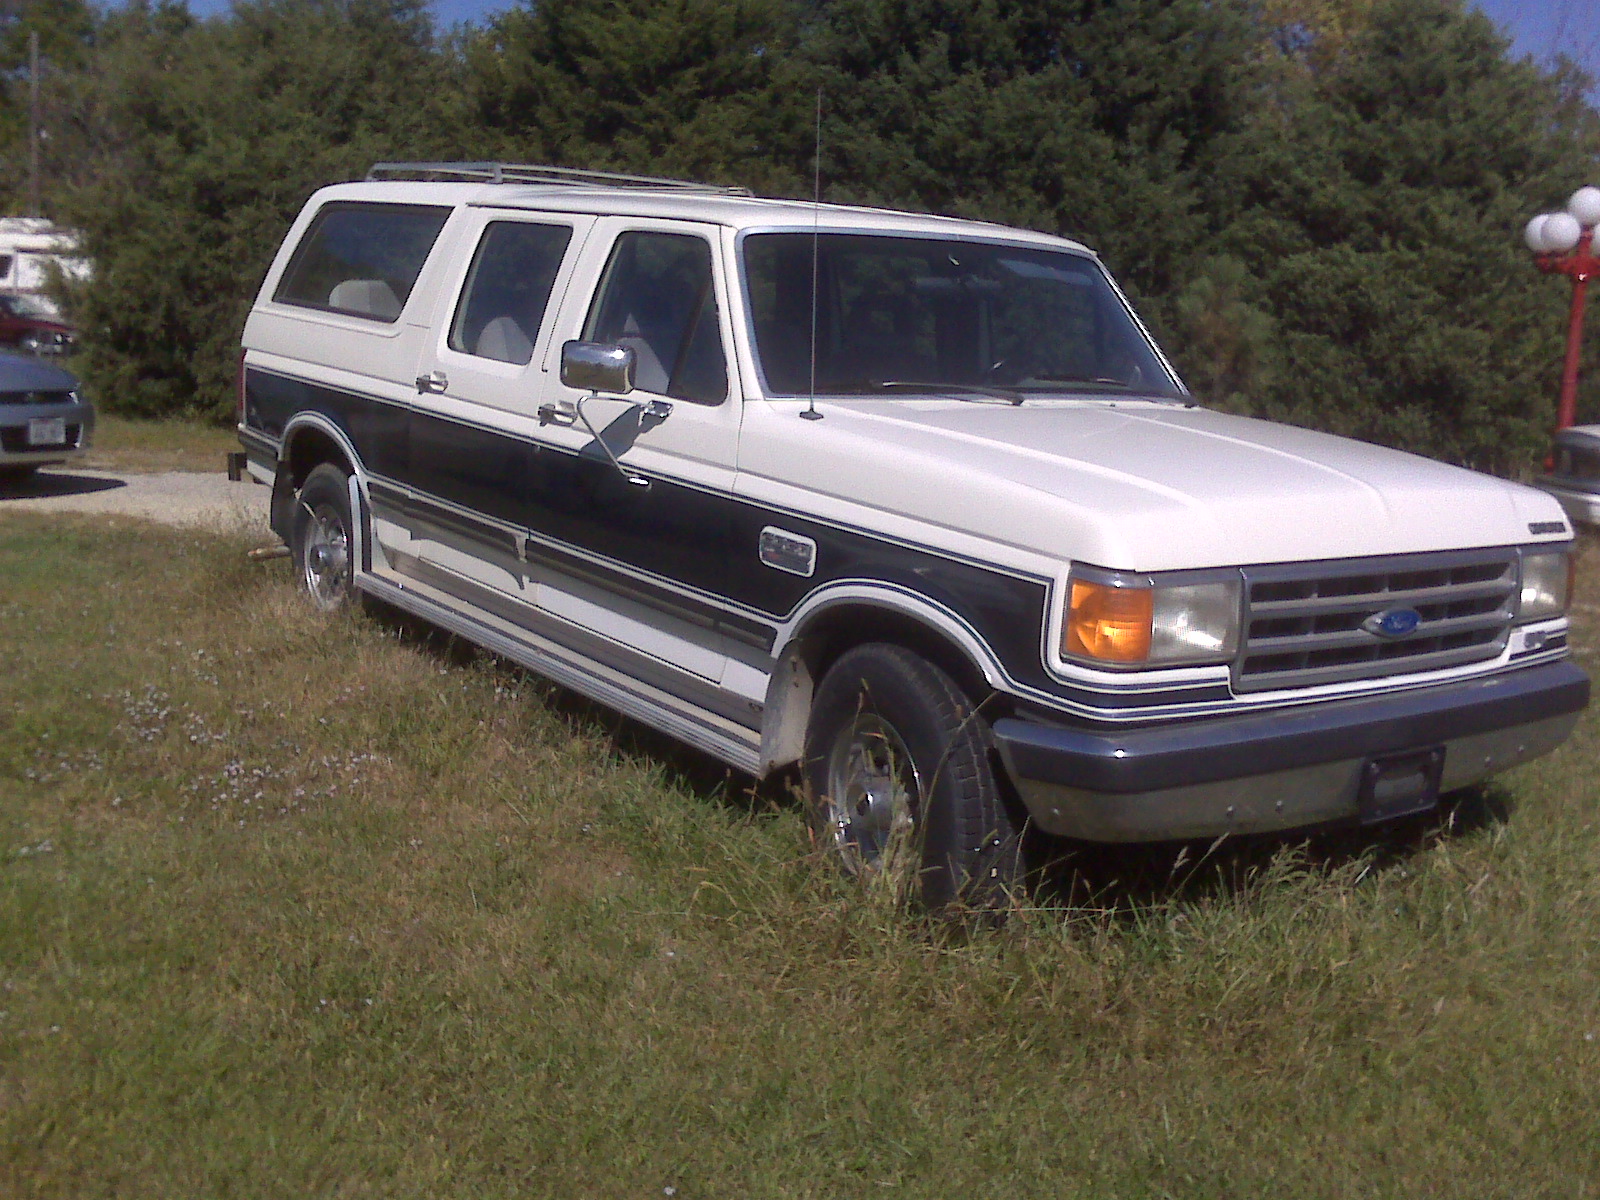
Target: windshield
column 24, row 305
column 902, row 315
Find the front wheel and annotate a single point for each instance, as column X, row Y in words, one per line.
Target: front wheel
column 900, row 779
column 320, row 540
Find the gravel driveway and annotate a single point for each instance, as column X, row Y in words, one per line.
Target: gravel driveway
column 188, row 498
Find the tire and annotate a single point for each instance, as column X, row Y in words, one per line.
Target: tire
column 320, row 538
column 900, row 778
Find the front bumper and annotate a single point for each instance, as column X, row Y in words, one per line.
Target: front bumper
column 1283, row 768
column 77, row 425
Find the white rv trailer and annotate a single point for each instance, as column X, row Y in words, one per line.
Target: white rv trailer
column 29, row 247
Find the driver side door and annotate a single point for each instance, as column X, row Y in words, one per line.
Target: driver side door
column 634, row 560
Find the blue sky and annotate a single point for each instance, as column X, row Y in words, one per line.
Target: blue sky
column 1543, row 27
column 1537, row 27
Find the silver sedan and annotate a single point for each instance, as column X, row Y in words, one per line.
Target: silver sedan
column 43, row 417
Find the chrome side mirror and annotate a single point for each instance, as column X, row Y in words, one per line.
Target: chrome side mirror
column 597, row 367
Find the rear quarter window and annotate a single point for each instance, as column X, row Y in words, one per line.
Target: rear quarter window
column 361, row 259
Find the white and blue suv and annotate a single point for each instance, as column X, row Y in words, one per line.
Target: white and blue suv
column 913, row 503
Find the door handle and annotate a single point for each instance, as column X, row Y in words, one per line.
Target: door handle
column 433, row 381
column 552, row 414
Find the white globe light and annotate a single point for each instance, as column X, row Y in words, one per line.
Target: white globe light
column 1533, row 233
column 1560, row 232
column 1585, row 205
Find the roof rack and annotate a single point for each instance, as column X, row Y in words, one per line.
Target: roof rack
column 498, row 172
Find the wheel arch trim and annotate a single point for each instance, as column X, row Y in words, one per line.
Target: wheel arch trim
column 902, row 601
column 299, row 426
column 302, row 422
column 791, row 685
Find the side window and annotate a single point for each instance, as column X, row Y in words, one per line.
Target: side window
column 361, row 259
column 508, row 287
column 657, row 297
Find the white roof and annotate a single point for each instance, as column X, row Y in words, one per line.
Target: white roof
column 712, row 207
column 37, row 233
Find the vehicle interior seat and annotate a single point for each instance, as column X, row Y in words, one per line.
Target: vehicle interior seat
column 369, row 297
column 504, row 339
column 649, row 373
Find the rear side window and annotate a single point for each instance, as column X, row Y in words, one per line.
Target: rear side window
column 507, row 290
column 361, row 259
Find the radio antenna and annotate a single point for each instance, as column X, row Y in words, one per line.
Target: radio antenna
column 811, row 413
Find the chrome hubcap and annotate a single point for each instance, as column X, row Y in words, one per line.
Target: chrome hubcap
column 327, row 557
column 873, row 791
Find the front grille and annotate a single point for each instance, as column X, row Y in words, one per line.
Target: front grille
column 35, row 397
column 1303, row 622
column 16, row 440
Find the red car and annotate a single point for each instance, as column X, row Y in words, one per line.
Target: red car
column 30, row 325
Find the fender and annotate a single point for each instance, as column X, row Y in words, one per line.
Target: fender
column 790, row 686
column 360, row 506
column 904, row 601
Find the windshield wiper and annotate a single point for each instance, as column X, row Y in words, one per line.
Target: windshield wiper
column 1040, row 382
column 959, row 391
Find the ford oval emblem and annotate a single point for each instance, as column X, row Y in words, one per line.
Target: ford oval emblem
column 1395, row 623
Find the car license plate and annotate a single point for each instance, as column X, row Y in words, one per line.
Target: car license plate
column 47, row 431
column 1399, row 785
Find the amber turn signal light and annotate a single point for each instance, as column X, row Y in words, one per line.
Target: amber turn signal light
column 1109, row 623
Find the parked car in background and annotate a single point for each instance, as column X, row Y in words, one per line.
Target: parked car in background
column 43, row 417
column 28, row 323
column 1574, row 475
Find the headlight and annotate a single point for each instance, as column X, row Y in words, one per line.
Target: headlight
column 1112, row 622
column 1546, row 585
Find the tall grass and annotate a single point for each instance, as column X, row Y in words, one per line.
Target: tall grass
column 300, row 905
column 141, row 445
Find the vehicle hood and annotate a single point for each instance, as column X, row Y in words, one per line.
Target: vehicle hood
column 1144, row 486
column 24, row 373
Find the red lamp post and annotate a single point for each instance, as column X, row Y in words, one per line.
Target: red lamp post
column 1563, row 244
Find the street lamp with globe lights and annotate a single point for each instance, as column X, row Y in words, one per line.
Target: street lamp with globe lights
column 1562, row 244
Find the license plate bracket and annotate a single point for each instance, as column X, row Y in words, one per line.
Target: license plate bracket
column 47, row 431
column 1400, row 785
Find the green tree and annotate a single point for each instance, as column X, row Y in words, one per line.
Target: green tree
column 191, row 146
column 65, row 29
column 1097, row 119
column 1376, row 203
column 694, row 88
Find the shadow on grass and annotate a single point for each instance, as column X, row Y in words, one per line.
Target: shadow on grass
column 693, row 769
column 1120, row 878
column 1064, row 873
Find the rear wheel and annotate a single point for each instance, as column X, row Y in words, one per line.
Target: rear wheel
column 900, row 776
column 320, row 538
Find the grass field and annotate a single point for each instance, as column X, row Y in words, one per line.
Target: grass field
column 141, row 446
column 305, row 906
